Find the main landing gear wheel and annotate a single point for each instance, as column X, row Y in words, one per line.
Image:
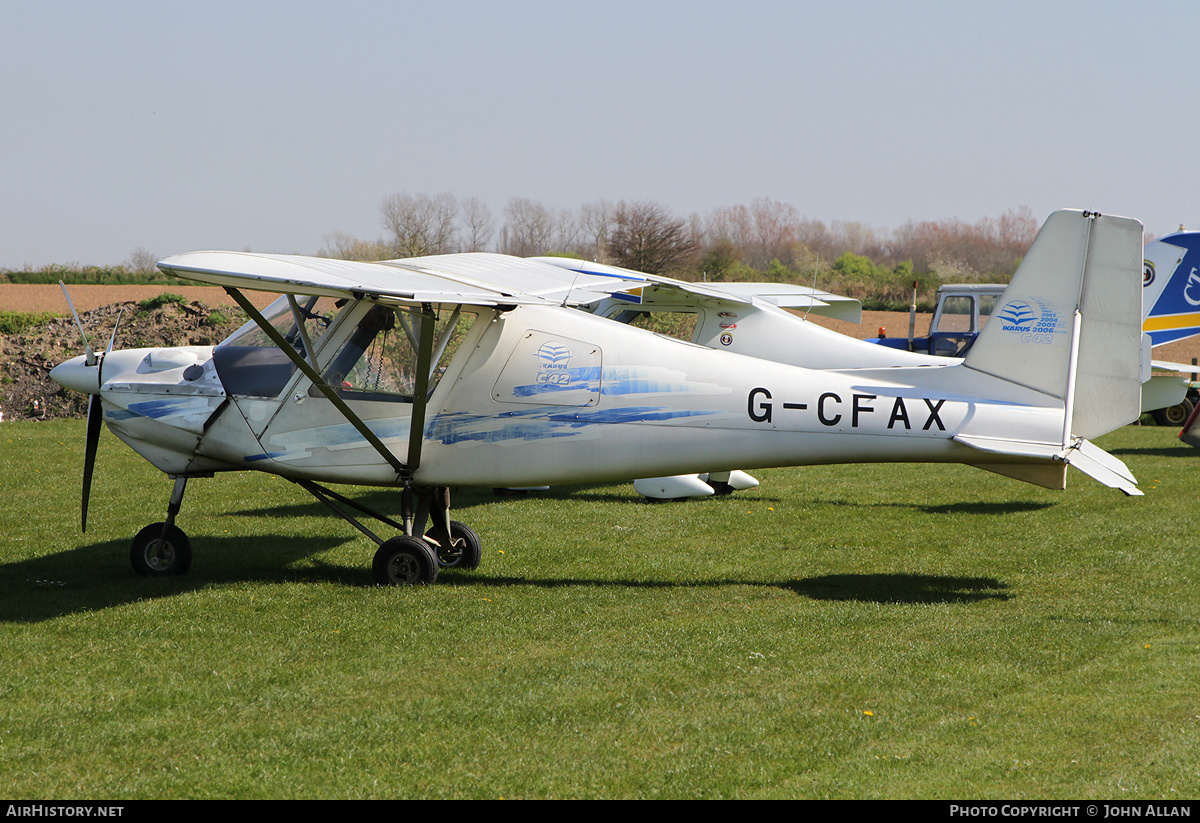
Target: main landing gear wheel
column 1175, row 415
column 156, row 554
column 464, row 551
column 405, row 561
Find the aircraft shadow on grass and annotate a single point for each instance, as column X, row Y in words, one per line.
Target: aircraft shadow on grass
column 96, row 577
column 966, row 507
column 901, row 588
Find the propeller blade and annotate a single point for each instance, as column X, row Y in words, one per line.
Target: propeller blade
column 95, row 419
column 91, row 355
column 95, row 415
column 113, row 339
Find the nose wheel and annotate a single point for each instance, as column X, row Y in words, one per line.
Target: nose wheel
column 160, row 550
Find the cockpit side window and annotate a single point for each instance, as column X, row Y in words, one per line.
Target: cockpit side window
column 378, row 360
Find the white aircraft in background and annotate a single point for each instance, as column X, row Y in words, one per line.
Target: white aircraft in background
column 480, row 370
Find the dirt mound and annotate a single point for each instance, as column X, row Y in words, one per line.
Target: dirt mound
column 26, row 390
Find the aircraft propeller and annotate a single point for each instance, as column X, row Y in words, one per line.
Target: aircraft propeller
column 95, row 414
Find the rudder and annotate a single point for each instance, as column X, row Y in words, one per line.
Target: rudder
column 1069, row 323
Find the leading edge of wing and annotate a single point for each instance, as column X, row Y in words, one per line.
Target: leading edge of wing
column 496, row 281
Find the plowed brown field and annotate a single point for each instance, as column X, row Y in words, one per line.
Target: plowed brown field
column 35, row 298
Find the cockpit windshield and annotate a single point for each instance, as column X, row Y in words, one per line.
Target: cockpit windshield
column 248, row 361
column 375, row 360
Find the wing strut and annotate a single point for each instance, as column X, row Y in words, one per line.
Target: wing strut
column 416, row 432
column 338, row 403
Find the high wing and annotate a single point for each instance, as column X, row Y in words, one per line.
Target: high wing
column 483, row 279
column 468, row 279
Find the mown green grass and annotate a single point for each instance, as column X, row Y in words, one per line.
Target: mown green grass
column 847, row 631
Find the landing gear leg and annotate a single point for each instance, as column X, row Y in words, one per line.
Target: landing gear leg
column 400, row 560
column 162, row 549
column 456, row 545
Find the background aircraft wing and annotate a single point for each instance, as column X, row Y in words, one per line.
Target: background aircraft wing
column 611, row 281
column 787, row 296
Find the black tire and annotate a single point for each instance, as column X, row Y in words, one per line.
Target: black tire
column 154, row 554
column 405, row 561
column 465, row 552
column 1173, row 415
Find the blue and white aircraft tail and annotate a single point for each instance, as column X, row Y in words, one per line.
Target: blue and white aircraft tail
column 1171, row 287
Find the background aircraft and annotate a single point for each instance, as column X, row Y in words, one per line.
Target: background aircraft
column 1171, row 285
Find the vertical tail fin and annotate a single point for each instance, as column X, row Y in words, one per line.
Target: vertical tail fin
column 1069, row 324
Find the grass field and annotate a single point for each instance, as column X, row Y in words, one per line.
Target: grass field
column 840, row 632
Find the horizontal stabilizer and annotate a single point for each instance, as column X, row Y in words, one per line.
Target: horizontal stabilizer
column 1167, row 365
column 1099, row 465
column 1041, row 469
column 1011, row 448
column 1048, row 475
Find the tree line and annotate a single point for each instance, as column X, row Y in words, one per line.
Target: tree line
column 765, row 240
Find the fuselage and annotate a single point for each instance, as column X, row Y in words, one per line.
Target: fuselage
column 539, row 395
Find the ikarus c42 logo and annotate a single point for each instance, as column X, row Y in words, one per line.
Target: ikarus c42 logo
column 555, row 370
column 555, row 358
column 1034, row 322
column 1017, row 316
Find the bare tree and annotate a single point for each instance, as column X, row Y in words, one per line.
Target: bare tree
column 959, row 250
column 565, row 232
column 141, row 260
column 764, row 231
column 596, row 222
column 776, row 227
column 420, row 224
column 478, row 224
column 528, row 228
column 648, row 238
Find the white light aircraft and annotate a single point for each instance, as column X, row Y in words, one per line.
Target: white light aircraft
column 480, row 370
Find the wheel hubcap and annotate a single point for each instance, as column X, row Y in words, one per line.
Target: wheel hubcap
column 160, row 556
column 404, row 568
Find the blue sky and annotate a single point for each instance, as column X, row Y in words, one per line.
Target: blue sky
column 174, row 126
